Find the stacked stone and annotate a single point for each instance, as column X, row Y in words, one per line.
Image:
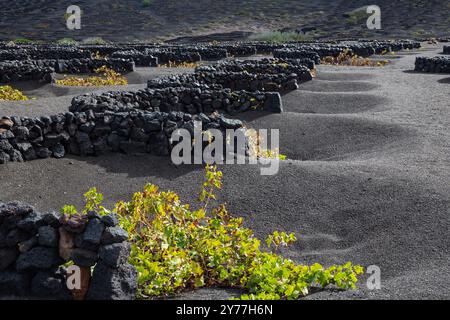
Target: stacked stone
column 165, row 56
column 325, row 50
column 181, row 80
column 97, row 130
column 140, row 59
column 265, row 66
column 238, row 81
column 79, row 66
column 39, row 52
column 446, row 50
column 34, row 246
column 211, row 53
column 296, row 54
column 25, row 70
column 238, row 50
column 57, row 52
column 28, row 139
column 268, row 48
column 433, row 65
column 41, row 70
column 17, row 54
column 188, row 100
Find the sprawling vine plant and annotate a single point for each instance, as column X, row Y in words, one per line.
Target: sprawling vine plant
column 176, row 248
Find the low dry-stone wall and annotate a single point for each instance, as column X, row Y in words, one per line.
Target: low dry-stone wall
column 139, row 58
column 30, row 52
column 201, row 51
column 34, row 246
column 42, row 70
column 236, row 81
column 433, row 65
column 446, row 50
column 95, row 130
column 189, row 100
column 164, row 57
column 301, row 67
column 296, row 54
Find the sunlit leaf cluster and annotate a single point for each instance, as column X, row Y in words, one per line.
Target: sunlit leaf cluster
column 108, row 77
column 346, row 58
column 174, row 64
column 10, row 94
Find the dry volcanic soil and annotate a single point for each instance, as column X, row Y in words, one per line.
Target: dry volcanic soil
column 366, row 177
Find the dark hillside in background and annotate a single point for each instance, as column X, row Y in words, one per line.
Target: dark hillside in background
column 167, row 19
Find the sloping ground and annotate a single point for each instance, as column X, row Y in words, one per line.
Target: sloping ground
column 367, row 181
column 130, row 20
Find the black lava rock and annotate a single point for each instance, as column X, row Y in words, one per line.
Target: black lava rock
column 49, row 285
column 115, row 254
column 15, row 236
column 32, row 222
column 113, row 284
column 7, row 257
column 110, row 220
column 84, row 258
column 14, row 283
column 48, row 236
column 114, row 235
column 38, row 258
column 93, row 232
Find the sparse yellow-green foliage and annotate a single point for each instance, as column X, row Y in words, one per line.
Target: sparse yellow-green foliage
column 9, row 94
column 108, row 77
column 176, row 248
column 173, row 64
column 93, row 201
column 347, row 59
column 257, row 148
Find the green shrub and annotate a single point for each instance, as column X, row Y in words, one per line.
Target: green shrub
column 22, row 41
column 176, row 248
column 147, row 3
column 357, row 16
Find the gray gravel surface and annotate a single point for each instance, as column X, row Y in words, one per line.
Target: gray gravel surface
column 368, row 179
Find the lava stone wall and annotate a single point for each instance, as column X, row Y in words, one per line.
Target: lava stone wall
column 178, row 56
column 34, row 246
column 296, row 54
column 35, row 52
column 139, row 58
column 188, row 100
column 236, row 81
column 209, row 77
column 95, row 131
column 186, row 80
column 433, row 65
column 265, row 66
column 41, row 70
